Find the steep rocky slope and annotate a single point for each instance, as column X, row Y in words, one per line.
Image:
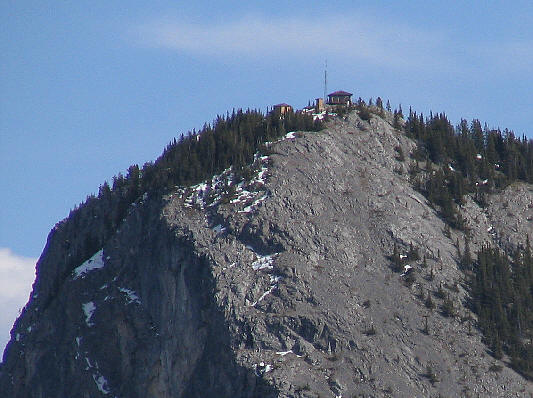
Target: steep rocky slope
column 285, row 289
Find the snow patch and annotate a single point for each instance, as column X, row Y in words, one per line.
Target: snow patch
column 290, row 135
column 261, row 176
column 196, row 197
column 95, row 262
column 243, row 196
column 321, row 115
column 88, row 310
column 264, row 262
column 283, row 353
column 261, row 368
column 101, row 383
column 131, row 296
column 99, row 380
column 218, row 229
column 251, row 207
column 406, row 269
column 274, row 279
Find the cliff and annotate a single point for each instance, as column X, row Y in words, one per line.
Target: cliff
column 280, row 285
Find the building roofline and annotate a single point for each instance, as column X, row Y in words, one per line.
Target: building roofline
column 283, row 104
column 340, row 93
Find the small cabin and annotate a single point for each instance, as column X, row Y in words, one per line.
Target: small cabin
column 282, row 109
column 340, row 98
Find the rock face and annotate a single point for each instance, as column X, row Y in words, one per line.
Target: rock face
column 285, row 289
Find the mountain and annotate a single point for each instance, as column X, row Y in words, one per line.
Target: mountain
column 322, row 265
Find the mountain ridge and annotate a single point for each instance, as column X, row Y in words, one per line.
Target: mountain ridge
column 278, row 284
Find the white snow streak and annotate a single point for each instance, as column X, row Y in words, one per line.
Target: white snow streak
column 95, row 262
column 251, row 207
column 264, row 295
column 283, row 353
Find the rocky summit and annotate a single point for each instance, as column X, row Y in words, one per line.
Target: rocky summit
column 286, row 287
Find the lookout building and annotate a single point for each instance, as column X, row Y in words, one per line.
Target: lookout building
column 340, row 98
column 282, row 109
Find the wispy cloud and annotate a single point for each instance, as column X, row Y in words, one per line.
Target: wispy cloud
column 354, row 38
column 16, row 277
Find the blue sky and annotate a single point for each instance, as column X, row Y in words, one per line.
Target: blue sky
column 89, row 88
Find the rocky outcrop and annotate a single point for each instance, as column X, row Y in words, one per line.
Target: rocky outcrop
column 284, row 288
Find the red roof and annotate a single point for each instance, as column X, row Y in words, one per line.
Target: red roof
column 340, row 94
column 280, row 105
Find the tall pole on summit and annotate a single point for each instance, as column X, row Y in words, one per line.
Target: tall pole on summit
column 325, row 79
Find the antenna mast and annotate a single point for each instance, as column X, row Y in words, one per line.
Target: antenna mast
column 325, row 79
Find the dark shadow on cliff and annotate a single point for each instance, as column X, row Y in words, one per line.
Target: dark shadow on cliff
column 217, row 373
column 214, row 371
column 156, row 329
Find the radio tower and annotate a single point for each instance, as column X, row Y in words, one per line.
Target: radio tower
column 325, row 79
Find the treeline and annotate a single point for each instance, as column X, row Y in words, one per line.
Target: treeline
column 231, row 140
column 464, row 159
column 502, row 296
